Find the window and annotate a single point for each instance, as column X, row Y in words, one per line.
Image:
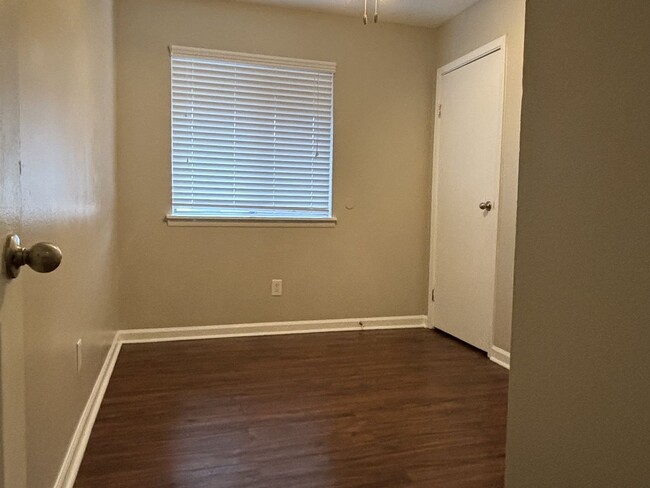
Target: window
column 251, row 136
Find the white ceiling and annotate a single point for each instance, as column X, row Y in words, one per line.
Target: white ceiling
column 428, row 13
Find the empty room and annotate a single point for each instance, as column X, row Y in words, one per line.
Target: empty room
column 324, row 243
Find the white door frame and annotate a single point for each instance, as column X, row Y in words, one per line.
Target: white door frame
column 483, row 51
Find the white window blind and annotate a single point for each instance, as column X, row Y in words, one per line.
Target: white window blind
column 251, row 135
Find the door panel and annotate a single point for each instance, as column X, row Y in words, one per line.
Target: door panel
column 468, row 159
column 12, row 370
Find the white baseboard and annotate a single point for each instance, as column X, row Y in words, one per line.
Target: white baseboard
column 499, row 356
column 270, row 328
column 77, row 447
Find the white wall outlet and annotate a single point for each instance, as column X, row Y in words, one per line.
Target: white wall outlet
column 79, row 355
column 276, row 288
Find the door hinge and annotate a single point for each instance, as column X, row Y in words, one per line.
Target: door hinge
column 439, row 110
column 433, row 295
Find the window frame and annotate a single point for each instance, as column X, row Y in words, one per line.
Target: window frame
column 252, row 221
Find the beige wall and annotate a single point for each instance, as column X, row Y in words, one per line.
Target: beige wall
column 66, row 102
column 579, row 409
column 374, row 263
column 475, row 27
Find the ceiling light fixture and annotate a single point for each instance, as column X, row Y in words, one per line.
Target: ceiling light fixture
column 365, row 12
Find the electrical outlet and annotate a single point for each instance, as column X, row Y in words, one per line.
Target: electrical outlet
column 79, row 355
column 276, row 288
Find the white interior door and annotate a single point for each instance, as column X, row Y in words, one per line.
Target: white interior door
column 465, row 201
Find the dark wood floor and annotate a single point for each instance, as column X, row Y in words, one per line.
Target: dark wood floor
column 389, row 409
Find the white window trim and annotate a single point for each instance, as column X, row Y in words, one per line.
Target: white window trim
column 176, row 221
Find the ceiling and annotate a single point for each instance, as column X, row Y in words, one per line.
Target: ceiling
column 429, row 13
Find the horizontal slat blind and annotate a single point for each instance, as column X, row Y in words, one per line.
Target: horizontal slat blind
column 251, row 135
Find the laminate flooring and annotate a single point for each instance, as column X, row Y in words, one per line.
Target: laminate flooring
column 385, row 409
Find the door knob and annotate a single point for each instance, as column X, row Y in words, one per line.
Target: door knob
column 485, row 205
column 42, row 257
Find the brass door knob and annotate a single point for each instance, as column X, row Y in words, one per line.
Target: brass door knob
column 42, row 257
column 485, row 205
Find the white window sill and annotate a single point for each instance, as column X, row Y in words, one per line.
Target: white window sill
column 176, row 221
